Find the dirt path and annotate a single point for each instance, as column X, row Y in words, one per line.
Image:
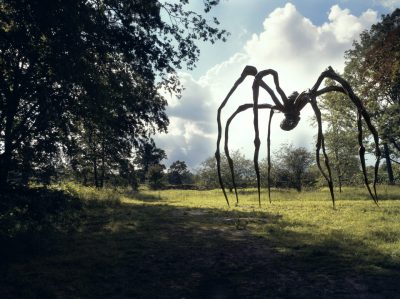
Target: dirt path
column 159, row 251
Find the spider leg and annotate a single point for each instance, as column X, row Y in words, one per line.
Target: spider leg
column 271, row 113
column 226, row 147
column 257, row 83
column 247, row 71
column 361, row 152
column 346, row 89
column 257, row 142
column 301, row 101
column 321, row 143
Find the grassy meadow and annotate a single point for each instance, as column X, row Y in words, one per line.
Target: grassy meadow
column 190, row 244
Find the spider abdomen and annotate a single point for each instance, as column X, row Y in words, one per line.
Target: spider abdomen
column 290, row 121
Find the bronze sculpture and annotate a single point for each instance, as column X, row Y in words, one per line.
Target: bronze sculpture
column 291, row 107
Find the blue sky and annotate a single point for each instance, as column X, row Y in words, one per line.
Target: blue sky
column 298, row 39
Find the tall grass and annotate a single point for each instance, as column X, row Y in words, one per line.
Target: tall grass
column 91, row 195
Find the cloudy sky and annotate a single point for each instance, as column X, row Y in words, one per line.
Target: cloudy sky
column 299, row 39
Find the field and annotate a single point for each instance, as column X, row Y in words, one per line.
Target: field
column 189, row 244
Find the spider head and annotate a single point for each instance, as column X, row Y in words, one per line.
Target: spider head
column 290, row 121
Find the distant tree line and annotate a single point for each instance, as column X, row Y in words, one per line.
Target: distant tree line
column 291, row 167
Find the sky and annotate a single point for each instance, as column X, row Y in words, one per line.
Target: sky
column 298, row 39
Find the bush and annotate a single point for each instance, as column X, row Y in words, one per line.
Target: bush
column 30, row 216
column 155, row 176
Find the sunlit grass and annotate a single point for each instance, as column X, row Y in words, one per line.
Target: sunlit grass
column 92, row 195
column 356, row 218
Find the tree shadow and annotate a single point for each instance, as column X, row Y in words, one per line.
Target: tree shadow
column 146, row 197
column 160, row 251
column 385, row 192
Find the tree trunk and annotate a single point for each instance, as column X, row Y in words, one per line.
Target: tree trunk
column 299, row 186
column 388, row 164
column 93, row 155
column 339, row 170
column 102, row 165
column 85, row 179
column 96, row 179
column 5, row 158
column 5, row 165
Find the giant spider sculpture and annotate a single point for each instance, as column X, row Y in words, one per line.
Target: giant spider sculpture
column 291, row 107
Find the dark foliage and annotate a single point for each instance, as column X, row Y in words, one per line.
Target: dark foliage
column 178, row 174
column 82, row 78
column 373, row 67
column 30, row 217
column 147, row 155
column 155, row 176
column 293, row 168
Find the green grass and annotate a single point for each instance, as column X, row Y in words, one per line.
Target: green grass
column 190, row 244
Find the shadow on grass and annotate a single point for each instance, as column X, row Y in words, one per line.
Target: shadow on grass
column 384, row 192
column 388, row 195
column 146, row 197
column 159, row 251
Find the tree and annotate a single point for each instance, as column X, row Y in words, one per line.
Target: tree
column 62, row 61
column 178, row 173
column 99, row 143
column 206, row 174
column 245, row 175
column 243, row 168
column 293, row 165
column 127, row 172
column 373, row 68
column 155, row 176
column 148, row 154
column 341, row 137
column 342, row 149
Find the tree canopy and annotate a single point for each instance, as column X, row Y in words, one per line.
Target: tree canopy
column 292, row 167
column 178, row 173
column 373, row 68
column 340, row 115
column 86, row 70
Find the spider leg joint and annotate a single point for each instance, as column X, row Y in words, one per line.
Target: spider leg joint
column 257, row 142
column 249, row 71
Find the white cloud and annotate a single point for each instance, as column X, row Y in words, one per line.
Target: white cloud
column 300, row 50
column 195, row 101
column 391, row 4
column 186, row 141
column 345, row 26
column 190, row 133
column 292, row 45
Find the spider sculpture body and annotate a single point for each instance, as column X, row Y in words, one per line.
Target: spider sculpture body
column 291, row 107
